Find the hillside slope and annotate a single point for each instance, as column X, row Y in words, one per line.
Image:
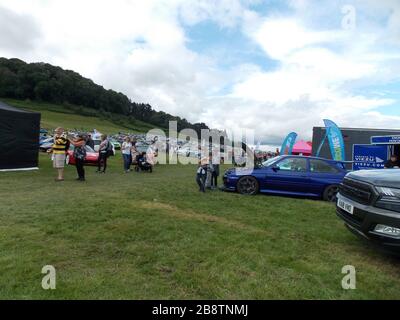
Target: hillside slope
column 66, row 116
column 51, row 84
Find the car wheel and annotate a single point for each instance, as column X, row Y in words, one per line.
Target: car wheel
column 330, row 193
column 247, row 185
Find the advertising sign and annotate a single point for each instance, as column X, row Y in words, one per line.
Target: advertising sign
column 335, row 139
column 367, row 157
column 386, row 140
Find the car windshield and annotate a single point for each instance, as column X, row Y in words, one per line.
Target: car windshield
column 87, row 148
column 271, row 161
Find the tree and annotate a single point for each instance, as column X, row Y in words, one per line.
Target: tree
column 44, row 82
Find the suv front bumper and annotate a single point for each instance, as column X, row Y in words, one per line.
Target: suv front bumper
column 364, row 220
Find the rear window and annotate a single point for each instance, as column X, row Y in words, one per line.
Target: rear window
column 319, row 166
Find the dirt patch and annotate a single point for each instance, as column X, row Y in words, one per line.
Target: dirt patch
column 173, row 211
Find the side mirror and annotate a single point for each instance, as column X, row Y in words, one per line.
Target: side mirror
column 276, row 168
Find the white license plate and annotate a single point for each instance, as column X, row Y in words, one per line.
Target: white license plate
column 346, row 206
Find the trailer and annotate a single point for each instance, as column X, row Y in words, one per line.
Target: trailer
column 374, row 155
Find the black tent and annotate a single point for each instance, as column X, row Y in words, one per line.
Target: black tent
column 19, row 138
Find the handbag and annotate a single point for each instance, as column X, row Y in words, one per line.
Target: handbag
column 80, row 153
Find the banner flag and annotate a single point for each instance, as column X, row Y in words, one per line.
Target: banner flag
column 335, row 138
column 288, row 144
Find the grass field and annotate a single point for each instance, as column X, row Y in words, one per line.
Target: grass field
column 154, row 236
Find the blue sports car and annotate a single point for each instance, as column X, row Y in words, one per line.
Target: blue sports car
column 289, row 175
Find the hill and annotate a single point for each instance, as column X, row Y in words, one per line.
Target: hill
column 43, row 82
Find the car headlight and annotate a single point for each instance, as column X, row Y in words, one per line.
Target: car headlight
column 387, row 230
column 389, row 199
column 389, row 193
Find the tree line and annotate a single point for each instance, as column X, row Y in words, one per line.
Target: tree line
column 46, row 83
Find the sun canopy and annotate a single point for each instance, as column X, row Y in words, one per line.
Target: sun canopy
column 302, row 147
column 19, row 138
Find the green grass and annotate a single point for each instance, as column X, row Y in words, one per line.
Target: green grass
column 54, row 116
column 154, row 236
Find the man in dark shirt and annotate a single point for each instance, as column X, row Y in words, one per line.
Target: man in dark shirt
column 89, row 141
column 393, row 163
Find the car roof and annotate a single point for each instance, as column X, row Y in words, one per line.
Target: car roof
column 312, row 158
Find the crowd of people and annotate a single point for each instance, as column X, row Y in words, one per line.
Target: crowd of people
column 206, row 177
column 207, row 174
column 142, row 161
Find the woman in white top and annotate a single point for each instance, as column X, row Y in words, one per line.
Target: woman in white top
column 126, row 154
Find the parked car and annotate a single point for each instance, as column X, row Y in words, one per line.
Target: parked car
column 187, row 152
column 96, row 145
column 116, row 144
column 369, row 204
column 289, row 175
column 43, row 138
column 46, row 144
column 92, row 156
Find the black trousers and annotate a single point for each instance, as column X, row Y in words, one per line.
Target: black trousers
column 80, row 168
column 201, row 181
column 102, row 161
column 214, row 179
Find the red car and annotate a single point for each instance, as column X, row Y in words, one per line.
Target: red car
column 92, row 156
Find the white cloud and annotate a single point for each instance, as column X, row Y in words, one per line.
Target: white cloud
column 141, row 48
column 317, row 70
column 18, row 31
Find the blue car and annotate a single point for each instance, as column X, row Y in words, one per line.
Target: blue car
column 289, row 175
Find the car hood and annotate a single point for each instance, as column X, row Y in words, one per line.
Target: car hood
column 384, row 178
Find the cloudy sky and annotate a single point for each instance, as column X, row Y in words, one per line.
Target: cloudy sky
column 270, row 65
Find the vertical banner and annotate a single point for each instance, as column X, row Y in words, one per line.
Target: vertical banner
column 335, row 138
column 288, row 143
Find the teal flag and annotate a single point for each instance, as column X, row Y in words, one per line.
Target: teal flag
column 288, row 143
column 336, row 142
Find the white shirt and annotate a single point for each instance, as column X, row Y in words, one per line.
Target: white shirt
column 126, row 148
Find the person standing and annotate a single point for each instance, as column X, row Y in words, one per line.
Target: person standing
column 215, row 172
column 201, row 177
column 134, row 154
column 210, row 169
column 201, row 174
column 80, row 156
column 89, row 141
column 59, row 150
column 126, row 150
column 103, row 154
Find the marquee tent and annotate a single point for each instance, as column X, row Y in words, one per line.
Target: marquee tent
column 302, row 147
column 19, row 138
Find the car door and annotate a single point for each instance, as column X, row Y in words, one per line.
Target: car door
column 290, row 175
column 323, row 174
